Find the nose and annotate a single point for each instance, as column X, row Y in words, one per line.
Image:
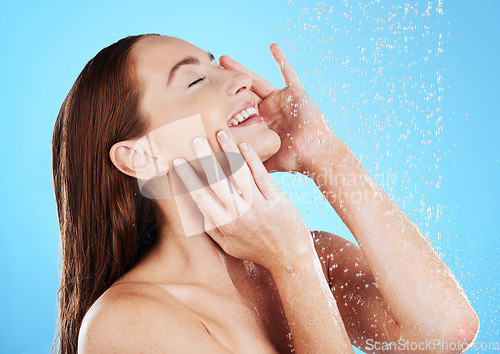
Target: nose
column 238, row 82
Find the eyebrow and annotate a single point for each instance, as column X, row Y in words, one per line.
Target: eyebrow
column 186, row 61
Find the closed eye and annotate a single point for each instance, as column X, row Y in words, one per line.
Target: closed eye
column 196, row 81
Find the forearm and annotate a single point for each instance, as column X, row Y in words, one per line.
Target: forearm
column 414, row 281
column 310, row 308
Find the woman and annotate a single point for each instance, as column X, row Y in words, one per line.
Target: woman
column 164, row 255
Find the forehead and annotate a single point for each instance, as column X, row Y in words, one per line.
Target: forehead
column 163, row 52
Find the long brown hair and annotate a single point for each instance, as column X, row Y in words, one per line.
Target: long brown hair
column 106, row 224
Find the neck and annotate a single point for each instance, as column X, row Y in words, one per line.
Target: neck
column 185, row 253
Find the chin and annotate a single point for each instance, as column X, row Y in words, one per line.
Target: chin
column 267, row 145
column 264, row 141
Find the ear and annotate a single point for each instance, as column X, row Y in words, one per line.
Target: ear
column 133, row 159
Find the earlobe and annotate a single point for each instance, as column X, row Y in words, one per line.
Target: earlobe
column 131, row 159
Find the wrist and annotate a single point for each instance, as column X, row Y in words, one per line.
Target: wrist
column 295, row 265
column 327, row 151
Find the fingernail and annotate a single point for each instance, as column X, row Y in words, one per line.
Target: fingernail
column 198, row 143
column 244, row 146
column 222, row 135
column 178, row 162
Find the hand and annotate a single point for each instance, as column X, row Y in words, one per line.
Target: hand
column 260, row 224
column 290, row 112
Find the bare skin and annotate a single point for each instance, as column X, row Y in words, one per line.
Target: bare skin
column 256, row 282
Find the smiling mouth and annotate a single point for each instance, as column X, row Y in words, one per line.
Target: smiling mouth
column 242, row 116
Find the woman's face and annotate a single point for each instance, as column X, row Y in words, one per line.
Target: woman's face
column 199, row 86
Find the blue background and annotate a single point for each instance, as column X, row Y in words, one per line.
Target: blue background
column 413, row 91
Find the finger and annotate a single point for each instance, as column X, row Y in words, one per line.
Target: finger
column 240, row 171
column 288, row 73
column 200, row 194
column 216, row 178
column 260, row 175
column 259, row 85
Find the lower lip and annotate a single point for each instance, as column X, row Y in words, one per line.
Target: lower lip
column 250, row 121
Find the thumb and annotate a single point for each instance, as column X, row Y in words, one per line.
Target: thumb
column 214, row 232
column 270, row 107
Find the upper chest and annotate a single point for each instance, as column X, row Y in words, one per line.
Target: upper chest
column 249, row 320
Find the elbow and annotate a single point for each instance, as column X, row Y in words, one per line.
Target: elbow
column 467, row 332
column 463, row 334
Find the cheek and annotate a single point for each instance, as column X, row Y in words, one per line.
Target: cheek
column 213, row 117
column 206, row 102
column 175, row 139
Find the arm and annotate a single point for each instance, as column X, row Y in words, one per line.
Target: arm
column 365, row 314
column 424, row 298
column 414, row 292
column 144, row 324
column 263, row 226
column 311, row 310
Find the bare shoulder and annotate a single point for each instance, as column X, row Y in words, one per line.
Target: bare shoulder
column 337, row 254
column 345, row 261
column 131, row 318
column 326, row 241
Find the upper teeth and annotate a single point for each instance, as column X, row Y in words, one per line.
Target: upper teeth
column 240, row 117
